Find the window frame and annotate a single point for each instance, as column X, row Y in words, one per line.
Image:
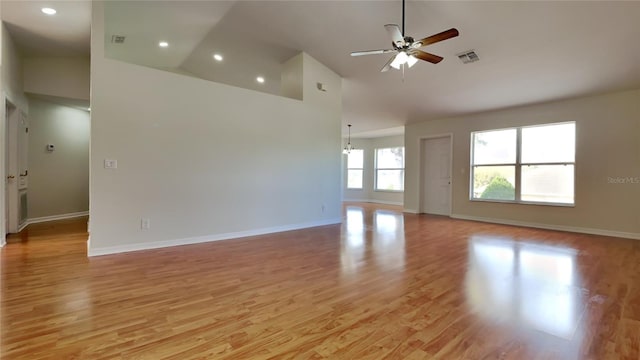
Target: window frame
column 518, row 165
column 376, row 169
column 361, row 169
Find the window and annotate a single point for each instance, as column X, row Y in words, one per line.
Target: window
column 390, row 169
column 533, row 164
column 355, row 165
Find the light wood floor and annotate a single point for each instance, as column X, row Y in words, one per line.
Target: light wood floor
column 381, row 285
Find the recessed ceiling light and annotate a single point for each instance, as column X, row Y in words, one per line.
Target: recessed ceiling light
column 217, row 57
column 163, row 44
column 49, row 11
column 260, row 79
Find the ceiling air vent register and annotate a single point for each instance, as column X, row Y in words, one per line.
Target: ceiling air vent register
column 117, row 39
column 468, row 57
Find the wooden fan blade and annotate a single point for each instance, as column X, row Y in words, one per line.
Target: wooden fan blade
column 394, row 33
column 371, row 52
column 387, row 66
column 434, row 59
column 447, row 34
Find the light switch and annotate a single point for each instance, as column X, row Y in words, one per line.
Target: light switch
column 110, row 164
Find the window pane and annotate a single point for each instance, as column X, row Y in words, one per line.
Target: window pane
column 494, row 147
column 355, row 159
column 354, row 179
column 494, row 182
column 390, row 158
column 547, row 183
column 390, row 180
column 549, row 143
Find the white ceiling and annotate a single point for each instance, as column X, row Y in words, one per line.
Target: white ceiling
column 530, row 51
column 183, row 24
column 68, row 33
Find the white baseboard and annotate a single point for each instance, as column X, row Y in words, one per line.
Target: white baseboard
column 55, row 217
column 574, row 229
column 24, row 225
column 411, row 211
column 399, row 203
column 206, row 238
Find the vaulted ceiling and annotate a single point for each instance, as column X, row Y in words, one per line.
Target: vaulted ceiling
column 530, row 51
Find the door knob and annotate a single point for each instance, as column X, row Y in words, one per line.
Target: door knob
column 11, row 177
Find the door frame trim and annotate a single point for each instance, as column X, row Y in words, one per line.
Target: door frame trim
column 3, row 149
column 421, row 178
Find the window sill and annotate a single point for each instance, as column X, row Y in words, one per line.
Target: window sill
column 524, row 202
column 389, row 191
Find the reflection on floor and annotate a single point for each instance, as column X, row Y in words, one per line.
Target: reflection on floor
column 382, row 241
column 382, row 285
column 525, row 285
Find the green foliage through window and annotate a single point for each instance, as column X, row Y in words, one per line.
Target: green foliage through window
column 499, row 189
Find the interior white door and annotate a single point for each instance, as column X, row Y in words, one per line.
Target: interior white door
column 436, row 176
column 11, row 169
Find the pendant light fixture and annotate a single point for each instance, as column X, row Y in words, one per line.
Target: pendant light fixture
column 347, row 149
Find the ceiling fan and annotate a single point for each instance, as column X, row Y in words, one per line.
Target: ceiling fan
column 406, row 48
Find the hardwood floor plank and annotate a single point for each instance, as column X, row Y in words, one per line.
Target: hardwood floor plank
column 383, row 285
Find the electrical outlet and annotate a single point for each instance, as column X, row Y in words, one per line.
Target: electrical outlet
column 145, row 224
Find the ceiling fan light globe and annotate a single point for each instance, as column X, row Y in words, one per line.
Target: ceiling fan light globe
column 411, row 60
column 399, row 60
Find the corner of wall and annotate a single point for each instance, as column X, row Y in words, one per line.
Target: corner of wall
column 12, row 76
column 321, row 85
column 292, row 78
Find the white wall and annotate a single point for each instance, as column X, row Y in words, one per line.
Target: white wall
column 607, row 146
column 204, row 160
column 58, row 180
column 66, row 77
column 368, row 192
column 12, row 67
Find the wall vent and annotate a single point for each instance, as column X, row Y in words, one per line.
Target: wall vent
column 468, row 57
column 117, row 39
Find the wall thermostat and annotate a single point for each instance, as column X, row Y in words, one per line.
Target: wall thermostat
column 50, row 147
